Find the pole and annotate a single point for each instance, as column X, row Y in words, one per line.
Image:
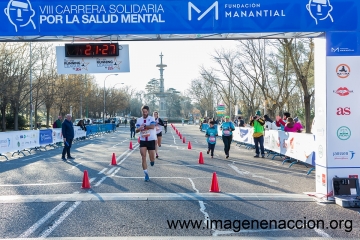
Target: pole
column 31, row 107
column 104, row 95
column 104, row 102
column 230, row 99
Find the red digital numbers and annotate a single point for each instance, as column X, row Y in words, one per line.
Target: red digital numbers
column 92, row 50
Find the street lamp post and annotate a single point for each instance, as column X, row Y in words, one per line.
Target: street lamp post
column 104, row 95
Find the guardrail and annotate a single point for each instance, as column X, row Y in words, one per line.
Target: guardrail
column 295, row 147
column 35, row 140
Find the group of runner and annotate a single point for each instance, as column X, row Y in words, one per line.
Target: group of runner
column 227, row 128
column 150, row 129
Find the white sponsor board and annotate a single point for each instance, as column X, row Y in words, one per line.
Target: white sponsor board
column 57, row 135
column 78, row 132
column 26, row 139
column 299, row 146
column 7, row 143
column 83, row 65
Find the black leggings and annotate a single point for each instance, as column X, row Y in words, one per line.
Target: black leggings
column 211, row 147
column 227, row 142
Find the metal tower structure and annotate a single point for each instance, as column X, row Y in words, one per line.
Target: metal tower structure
column 162, row 95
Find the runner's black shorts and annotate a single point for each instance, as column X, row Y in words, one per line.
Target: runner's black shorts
column 159, row 134
column 150, row 145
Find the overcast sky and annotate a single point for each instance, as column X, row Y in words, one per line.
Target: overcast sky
column 183, row 60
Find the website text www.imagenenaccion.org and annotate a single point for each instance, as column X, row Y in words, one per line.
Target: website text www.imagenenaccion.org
column 238, row 225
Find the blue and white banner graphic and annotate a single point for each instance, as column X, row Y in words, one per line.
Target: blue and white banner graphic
column 45, row 137
column 85, row 17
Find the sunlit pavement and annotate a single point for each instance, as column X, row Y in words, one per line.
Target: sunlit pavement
column 41, row 196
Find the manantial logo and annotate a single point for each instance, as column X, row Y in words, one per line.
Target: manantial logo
column 214, row 6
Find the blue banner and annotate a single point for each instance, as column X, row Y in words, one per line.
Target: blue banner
column 116, row 17
column 45, row 137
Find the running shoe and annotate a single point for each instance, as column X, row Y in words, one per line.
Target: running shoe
column 256, row 156
column 227, row 156
column 146, row 177
column 152, row 163
column 157, row 156
column 207, row 152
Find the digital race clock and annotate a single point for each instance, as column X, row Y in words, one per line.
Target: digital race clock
column 92, row 50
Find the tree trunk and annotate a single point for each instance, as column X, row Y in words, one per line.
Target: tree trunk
column 307, row 103
column 3, row 114
column 47, row 117
column 16, row 117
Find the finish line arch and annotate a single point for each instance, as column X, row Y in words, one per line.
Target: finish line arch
column 336, row 23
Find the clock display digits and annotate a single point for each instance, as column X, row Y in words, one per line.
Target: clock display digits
column 92, row 50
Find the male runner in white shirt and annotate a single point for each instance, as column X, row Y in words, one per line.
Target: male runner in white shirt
column 146, row 126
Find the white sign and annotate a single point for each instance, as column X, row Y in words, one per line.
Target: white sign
column 83, row 65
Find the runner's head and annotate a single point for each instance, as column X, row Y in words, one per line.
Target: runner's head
column 227, row 118
column 156, row 114
column 145, row 111
column 211, row 123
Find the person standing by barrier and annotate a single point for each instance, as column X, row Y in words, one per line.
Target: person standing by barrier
column 57, row 124
column 82, row 126
column 67, row 130
column 146, row 126
column 211, row 134
column 281, row 122
column 165, row 124
column 132, row 127
column 258, row 123
column 158, row 127
column 227, row 128
column 125, row 121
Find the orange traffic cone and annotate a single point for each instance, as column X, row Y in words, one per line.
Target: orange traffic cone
column 184, row 140
column 189, row 145
column 113, row 160
column 138, row 140
column 201, row 158
column 214, row 184
column 130, row 146
column 86, row 182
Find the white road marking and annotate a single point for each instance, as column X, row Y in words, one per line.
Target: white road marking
column 102, row 171
column 42, row 220
column 322, row 233
column 32, row 158
column 73, row 167
column 129, row 154
column 202, row 206
column 36, row 184
column 243, row 172
column 99, row 182
column 111, row 170
column 115, row 172
column 59, row 220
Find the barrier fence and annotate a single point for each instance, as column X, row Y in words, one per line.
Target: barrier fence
column 19, row 141
column 295, row 146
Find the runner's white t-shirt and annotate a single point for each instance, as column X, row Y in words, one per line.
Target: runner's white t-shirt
column 148, row 134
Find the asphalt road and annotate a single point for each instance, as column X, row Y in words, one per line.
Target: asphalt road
column 41, row 196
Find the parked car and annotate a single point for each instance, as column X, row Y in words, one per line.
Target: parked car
column 116, row 120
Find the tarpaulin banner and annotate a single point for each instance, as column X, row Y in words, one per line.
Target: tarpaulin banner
column 107, row 17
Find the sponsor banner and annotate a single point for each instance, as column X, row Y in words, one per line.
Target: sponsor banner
column 321, row 179
column 78, row 132
column 194, row 17
column 342, row 115
column 7, row 143
column 299, row 146
column 57, row 135
column 26, row 139
column 343, row 43
column 82, row 65
column 45, row 137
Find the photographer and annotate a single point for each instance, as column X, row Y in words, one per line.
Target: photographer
column 258, row 123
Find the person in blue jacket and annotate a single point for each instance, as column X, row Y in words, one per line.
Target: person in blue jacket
column 211, row 134
column 67, row 129
column 227, row 128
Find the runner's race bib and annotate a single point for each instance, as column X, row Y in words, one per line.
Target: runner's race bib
column 212, row 139
column 226, row 132
column 145, row 133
